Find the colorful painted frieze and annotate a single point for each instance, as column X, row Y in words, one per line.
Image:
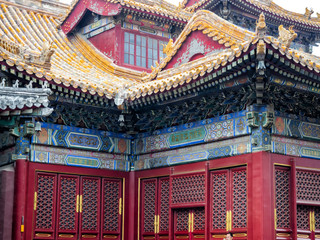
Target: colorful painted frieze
column 236, row 146
column 80, row 138
column 209, row 130
column 296, row 128
column 295, row 147
column 79, row 158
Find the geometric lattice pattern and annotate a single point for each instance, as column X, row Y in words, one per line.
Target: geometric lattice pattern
column 67, row 204
column 282, row 180
column 199, row 219
column 45, row 201
column 317, row 217
column 188, row 189
column 219, row 200
column 164, row 205
column 90, row 195
column 149, row 200
column 303, row 217
column 111, row 195
column 182, row 220
column 239, row 199
column 308, row 186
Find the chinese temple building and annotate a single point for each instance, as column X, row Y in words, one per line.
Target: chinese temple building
column 142, row 120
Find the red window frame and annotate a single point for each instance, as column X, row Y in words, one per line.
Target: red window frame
column 152, row 53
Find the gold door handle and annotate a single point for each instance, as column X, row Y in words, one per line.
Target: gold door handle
column 192, row 221
column 158, row 224
column 120, row 206
column 77, row 204
column 155, row 223
column 80, row 204
column 35, row 201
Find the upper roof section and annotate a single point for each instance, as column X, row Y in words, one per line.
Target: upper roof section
column 272, row 11
column 32, row 43
column 156, row 8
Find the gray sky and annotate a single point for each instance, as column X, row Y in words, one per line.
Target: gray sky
column 297, row 6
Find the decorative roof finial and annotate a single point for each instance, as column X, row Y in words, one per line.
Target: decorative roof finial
column 308, row 13
column 286, row 36
column 261, row 28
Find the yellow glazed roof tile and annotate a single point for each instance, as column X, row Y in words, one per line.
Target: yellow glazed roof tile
column 76, row 63
column 271, row 8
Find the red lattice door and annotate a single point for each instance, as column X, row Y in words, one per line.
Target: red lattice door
column 89, row 219
column 68, row 207
column 189, row 223
column 228, row 203
column 308, row 222
column 154, row 212
column 282, row 203
column 45, row 206
column 112, row 203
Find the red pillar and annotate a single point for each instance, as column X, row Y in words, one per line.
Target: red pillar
column 132, row 201
column 6, row 203
column 20, row 185
column 261, row 191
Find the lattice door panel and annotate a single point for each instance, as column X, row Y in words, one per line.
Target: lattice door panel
column 68, row 207
column 282, row 194
column 90, row 207
column 303, row 217
column 218, row 201
column 45, row 206
column 188, row 189
column 308, row 186
column 112, row 208
column 148, row 206
column 163, row 209
column 181, row 220
column 239, row 198
column 317, row 220
column 199, row 220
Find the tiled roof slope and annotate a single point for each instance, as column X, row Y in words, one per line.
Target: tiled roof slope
column 266, row 8
column 237, row 39
column 161, row 8
column 25, row 31
column 75, row 63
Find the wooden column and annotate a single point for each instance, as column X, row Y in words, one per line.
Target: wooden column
column 20, row 185
column 262, row 227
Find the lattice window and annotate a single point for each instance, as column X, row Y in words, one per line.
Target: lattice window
column 303, row 217
column 182, row 218
column 90, row 197
column 164, row 205
column 308, row 186
column 111, row 193
column 219, row 200
column 149, row 198
column 239, row 199
column 283, row 198
column 67, row 204
column 317, row 217
column 199, row 219
column 45, row 201
column 188, row 189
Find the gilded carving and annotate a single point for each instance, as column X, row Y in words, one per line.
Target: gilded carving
column 286, row 36
column 261, row 27
column 308, row 13
column 168, row 48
